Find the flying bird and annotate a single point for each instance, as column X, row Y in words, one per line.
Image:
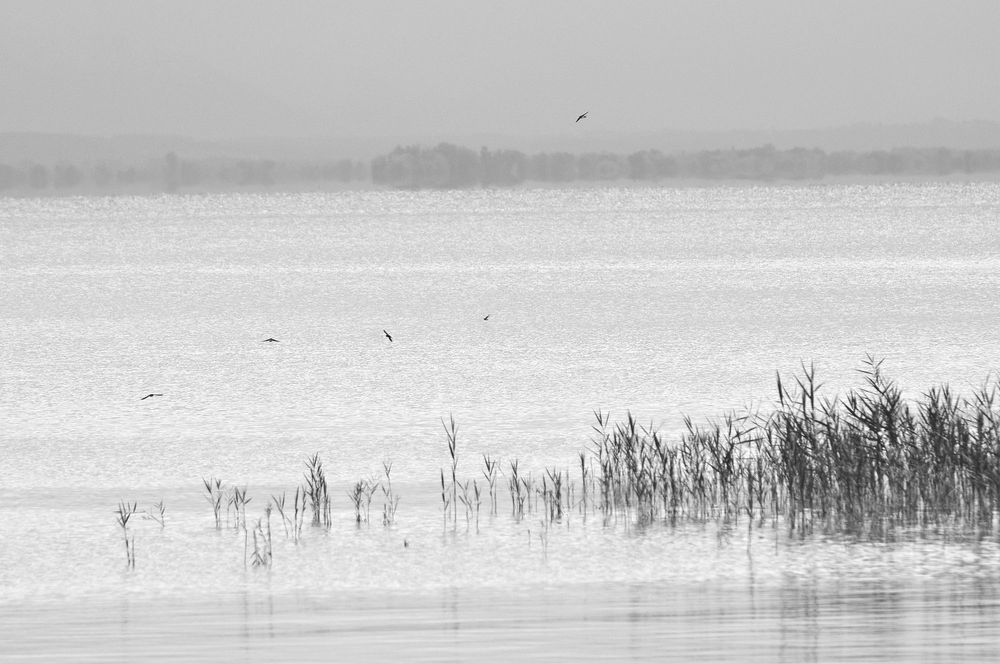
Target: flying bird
column 387, row 335
column 487, row 316
column 150, row 395
column 272, row 339
column 582, row 116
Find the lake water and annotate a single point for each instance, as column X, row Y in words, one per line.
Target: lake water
column 662, row 301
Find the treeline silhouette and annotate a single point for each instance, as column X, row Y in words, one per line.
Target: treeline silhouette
column 174, row 173
column 448, row 166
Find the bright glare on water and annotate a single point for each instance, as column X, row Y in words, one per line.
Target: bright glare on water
column 664, row 302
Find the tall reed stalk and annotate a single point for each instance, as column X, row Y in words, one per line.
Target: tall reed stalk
column 215, row 495
column 451, row 434
column 390, row 500
column 125, row 513
column 491, row 467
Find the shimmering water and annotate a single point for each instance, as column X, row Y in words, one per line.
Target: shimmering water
column 662, row 301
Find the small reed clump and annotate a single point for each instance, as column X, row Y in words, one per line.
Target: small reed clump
column 159, row 515
column 390, row 500
column 293, row 519
column 215, row 495
column 361, row 496
column 317, row 492
column 125, row 512
column 263, row 553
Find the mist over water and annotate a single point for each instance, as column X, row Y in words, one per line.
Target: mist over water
column 442, row 69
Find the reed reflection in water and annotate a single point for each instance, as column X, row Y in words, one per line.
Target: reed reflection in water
column 796, row 621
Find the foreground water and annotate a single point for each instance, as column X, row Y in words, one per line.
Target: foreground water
column 664, row 301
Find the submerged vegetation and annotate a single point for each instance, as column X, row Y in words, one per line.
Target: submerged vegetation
column 866, row 460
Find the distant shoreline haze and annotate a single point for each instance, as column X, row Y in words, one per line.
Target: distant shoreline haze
column 449, row 166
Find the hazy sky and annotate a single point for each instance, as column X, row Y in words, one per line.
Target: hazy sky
column 434, row 67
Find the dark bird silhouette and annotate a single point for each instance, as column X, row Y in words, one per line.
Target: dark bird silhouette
column 487, row 316
column 150, row 395
column 582, row 116
column 387, row 336
column 270, row 339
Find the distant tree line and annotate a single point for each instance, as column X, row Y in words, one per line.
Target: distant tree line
column 174, row 173
column 449, row 166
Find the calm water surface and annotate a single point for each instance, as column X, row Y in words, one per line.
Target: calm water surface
column 662, row 301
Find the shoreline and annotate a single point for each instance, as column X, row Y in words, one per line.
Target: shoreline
column 583, row 185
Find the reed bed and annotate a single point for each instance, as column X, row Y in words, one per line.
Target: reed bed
column 841, row 461
column 868, row 459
